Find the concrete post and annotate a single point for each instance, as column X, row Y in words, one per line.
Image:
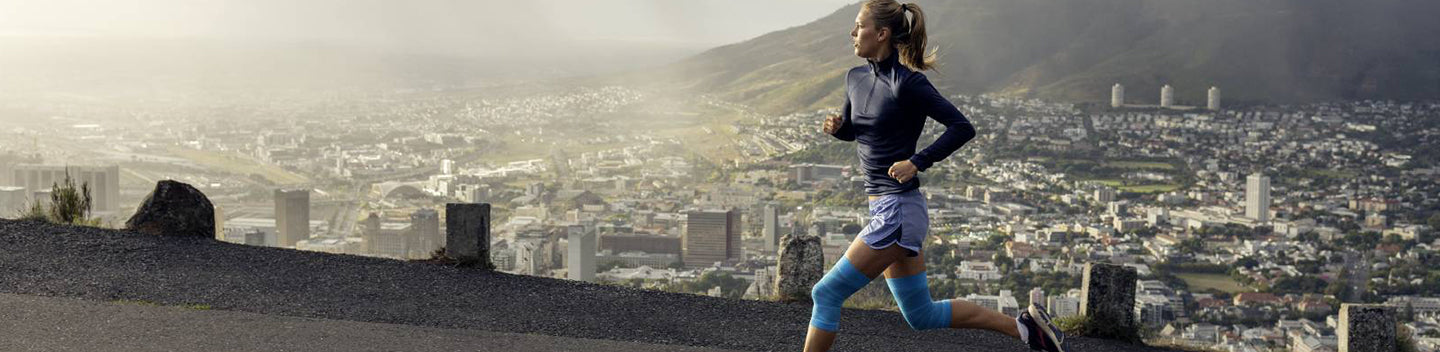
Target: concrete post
column 1107, row 296
column 467, row 232
column 1366, row 328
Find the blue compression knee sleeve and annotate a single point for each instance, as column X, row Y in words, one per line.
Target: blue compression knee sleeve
column 913, row 296
column 830, row 293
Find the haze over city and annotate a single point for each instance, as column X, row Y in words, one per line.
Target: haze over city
column 1260, row 167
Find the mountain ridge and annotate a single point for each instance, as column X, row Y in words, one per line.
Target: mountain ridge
column 1288, row 51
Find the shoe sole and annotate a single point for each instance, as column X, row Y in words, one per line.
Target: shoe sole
column 1044, row 319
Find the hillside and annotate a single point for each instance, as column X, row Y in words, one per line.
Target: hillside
column 109, row 265
column 1256, row 51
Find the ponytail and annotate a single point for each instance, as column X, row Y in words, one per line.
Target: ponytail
column 908, row 37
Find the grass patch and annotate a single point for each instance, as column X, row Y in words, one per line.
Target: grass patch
column 1152, row 165
column 1156, row 188
column 238, row 164
column 1201, row 282
column 1113, row 183
column 1331, row 174
column 1080, row 325
column 1121, row 186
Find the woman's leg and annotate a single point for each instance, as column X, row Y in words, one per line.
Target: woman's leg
column 870, row 262
column 963, row 314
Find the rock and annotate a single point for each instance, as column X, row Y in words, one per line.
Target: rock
column 174, row 209
column 1107, row 298
column 801, row 264
column 1366, row 328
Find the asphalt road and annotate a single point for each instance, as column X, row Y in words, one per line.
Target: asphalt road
column 36, row 323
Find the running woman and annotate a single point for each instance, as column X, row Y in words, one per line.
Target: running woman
column 886, row 102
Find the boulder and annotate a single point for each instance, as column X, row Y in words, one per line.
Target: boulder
column 801, row 264
column 174, row 209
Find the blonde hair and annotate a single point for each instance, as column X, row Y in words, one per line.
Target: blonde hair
column 907, row 36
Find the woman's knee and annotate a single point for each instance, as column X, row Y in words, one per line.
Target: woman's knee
column 931, row 315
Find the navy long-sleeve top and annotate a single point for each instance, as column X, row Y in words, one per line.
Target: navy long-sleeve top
column 885, row 108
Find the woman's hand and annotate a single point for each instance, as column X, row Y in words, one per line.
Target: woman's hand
column 903, row 171
column 832, row 124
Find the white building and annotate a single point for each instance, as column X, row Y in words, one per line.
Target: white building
column 771, row 232
column 1004, row 302
column 1104, row 195
column 12, row 201
column 1117, row 96
column 1064, row 306
column 1213, row 103
column 1167, row 96
column 1257, row 197
column 978, row 270
column 580, row 253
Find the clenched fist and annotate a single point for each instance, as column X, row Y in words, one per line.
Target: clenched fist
column 903, row 171
column 832, row 124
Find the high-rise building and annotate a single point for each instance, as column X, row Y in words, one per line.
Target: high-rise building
column 1257, row 197
column 1117, row 96
column 1104, row 195
column 710, row 236
column 1167, row 96
column 1117, row 208
column 104, row 181
column 771, row 232
column 806, row 173
column 425, row 231
column 219, row 223
column 292, row 216
column 1213, row 103
column 580, row 253
column 447, row 167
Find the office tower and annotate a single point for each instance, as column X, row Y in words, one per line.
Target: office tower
column 771, row 232
column 1257, row 197
column 580, row 254
column 1167, row 96
column 104, row 181
column 1117, row 96
column 292, row 216
column 425, row 231
column 1104, row 195
column 1213, row 103
column 709, row 236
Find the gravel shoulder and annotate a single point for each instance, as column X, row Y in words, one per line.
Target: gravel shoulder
column 39, row 259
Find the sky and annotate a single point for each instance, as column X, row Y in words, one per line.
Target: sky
column 467, row 27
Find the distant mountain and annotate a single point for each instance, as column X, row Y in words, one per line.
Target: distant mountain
column 1255, row 51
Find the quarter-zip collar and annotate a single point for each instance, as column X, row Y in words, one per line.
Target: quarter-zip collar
column 886, row 65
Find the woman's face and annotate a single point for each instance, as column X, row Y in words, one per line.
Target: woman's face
column 868, row 37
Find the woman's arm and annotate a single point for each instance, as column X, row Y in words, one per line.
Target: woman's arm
column 958, row 129
column 843, row 129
